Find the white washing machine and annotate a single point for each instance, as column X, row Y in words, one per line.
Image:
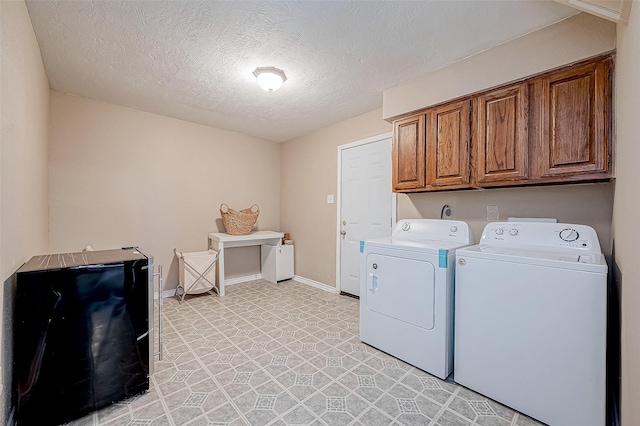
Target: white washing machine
column 406, row 292
column 531, row 320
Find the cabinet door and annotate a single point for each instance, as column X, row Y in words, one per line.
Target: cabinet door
column 408, row 153
column 574, row 137
column 284, row 262
column 501, row 129
column 448, row 131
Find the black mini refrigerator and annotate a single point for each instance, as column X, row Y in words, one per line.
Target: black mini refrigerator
column 83, row 333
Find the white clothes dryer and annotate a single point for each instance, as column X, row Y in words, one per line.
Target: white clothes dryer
column 531, row 320
column 406, row 292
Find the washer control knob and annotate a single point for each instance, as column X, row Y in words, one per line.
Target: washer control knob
column 375, row 266
column 513, row 232
column 569, row 234
column 453, row 229
column 406, row 226
column 499, row 231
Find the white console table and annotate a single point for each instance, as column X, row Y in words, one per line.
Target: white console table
column 219, row 241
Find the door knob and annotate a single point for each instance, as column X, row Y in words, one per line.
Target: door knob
column 343, row 233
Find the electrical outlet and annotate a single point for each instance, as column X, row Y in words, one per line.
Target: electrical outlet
column 493, row 213
column 330, row 199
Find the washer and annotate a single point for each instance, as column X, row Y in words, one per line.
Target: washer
column 530, row 320
column 406, row 292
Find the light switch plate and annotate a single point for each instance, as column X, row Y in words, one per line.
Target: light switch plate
column 330, row 199
column 493, row 213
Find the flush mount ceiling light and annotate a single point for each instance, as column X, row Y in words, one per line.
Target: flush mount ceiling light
column 270, row 78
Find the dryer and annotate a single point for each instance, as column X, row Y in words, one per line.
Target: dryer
column 530, row 320
column 406, row 292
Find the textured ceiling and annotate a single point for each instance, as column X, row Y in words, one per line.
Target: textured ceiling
column 193, row 60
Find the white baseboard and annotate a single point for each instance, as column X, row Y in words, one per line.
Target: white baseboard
column 165, row 293
column 238, row 280
column 228, row 281
column 315, row 284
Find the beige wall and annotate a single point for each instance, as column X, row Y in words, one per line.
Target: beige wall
column 309, row 174
column 587, row 204
column 122, row 177
column 24, row 123
column 573, row 39
column 626, row 231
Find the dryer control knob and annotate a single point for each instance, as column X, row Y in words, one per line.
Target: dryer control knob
column 406, row 226
column 513, row 232
column 462, row 262
column 499, row 231
column 453, row 229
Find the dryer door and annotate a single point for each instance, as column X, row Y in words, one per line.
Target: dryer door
column 401, row 288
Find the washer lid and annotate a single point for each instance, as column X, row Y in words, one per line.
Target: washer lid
column 590, row 262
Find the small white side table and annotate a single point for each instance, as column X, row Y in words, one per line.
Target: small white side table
column 219, row 241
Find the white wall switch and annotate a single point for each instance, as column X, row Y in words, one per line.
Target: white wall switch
column 330, row 199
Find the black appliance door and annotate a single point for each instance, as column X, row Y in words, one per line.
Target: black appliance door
column 80, row 340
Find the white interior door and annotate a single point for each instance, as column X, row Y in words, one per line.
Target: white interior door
column 366, row 204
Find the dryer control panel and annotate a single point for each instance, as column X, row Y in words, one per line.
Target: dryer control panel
column 433, row 230
column 544, row 236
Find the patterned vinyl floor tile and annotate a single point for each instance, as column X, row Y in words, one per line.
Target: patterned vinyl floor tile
column 288, row 354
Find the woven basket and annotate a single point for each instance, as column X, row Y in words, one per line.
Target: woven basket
column 239, row 222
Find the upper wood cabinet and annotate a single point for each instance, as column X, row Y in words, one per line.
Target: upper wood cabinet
column 554, row 127
column 408, row 154
column 431, row 149
column 501, row 128
column 447, row 138
column 570, row 122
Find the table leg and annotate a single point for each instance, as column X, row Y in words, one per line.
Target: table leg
column 219, row 247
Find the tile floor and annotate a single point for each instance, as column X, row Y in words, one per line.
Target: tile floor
column 288, row 354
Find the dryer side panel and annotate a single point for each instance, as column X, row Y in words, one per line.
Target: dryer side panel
column 401, row 288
